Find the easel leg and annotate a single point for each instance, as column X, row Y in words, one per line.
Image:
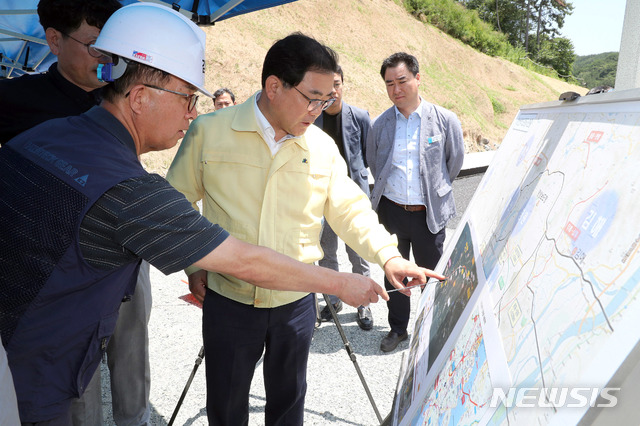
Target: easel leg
column 352, row 356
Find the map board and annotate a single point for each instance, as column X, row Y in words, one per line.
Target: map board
column 544, row 272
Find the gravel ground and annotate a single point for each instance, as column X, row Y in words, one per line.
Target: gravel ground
column 335, row 393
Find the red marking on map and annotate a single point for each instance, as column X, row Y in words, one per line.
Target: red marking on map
column 595, row 136
column 539, row 159
column 572, row 231
column 468, row 396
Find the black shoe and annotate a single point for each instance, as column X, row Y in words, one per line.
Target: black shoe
column 325, row 313
column 364, row 318
column 391, row 341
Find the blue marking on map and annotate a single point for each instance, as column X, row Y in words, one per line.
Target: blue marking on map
column 580, row 327
column 623, row 294
column 524, row 215
column 525, row 150
column 596, row 220
column 599, row 320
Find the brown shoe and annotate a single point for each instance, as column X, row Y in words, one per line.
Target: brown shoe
column 391, row 341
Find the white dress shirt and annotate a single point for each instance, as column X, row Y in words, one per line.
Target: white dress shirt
column 267, row 130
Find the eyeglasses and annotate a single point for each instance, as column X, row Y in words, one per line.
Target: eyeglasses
column 315, row 103
column 193, row 98
column 90, row 49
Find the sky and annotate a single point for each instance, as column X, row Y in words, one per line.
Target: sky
column 595, row 26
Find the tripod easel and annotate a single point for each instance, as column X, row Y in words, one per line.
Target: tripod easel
column 347, row 346
column 352, row 356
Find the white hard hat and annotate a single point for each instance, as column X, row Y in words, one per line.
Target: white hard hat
column 159, row 37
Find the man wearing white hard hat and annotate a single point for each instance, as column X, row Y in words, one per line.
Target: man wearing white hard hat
column 67, row 264
column 71, row 87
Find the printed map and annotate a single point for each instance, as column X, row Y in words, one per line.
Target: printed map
column 559, row 250
column 463, row 387
column 555, row 218
column 452, row 386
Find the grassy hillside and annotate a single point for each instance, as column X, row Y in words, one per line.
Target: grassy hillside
column 485, row 92
column 597, row 70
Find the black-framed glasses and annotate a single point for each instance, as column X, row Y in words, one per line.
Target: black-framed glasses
column 315, row 103
column 95, row 53
column 193, row 98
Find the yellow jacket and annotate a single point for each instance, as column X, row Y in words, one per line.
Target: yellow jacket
column 273, row 201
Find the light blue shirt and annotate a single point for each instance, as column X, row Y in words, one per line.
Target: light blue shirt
column 403, row 185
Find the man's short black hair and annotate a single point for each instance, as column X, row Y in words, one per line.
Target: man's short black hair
column 339, row 71
column 222, row 91
column 292, row 57
column 67, row 15
column 398, row 58
column 136, row 73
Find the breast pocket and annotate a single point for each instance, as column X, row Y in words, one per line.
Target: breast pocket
column 302, row 191
column 231, row 182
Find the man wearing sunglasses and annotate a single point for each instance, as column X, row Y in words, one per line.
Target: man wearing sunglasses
column 268, row 177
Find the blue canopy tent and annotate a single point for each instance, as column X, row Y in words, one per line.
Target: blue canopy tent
column 23, row 48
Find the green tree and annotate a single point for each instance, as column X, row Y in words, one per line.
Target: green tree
column 520, row 20
column 457, row 21
column 557, row 53
column 506, row 16
column 596, row 70
column 550, row 15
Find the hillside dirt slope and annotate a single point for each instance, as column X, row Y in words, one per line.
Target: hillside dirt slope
column 364, row 32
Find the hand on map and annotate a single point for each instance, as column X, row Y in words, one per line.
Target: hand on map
column 397, row 269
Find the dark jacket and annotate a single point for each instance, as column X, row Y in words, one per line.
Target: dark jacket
column 62, row 311
column 355, row 128
column 32, row 99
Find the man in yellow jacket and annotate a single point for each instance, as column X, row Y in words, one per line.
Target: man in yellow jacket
column 268, row 176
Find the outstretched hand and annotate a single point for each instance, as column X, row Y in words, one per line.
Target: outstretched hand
column 397, row 269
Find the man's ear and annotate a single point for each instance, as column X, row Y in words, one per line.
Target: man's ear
column 53, row 37
column 272, row 86
column 137, row 98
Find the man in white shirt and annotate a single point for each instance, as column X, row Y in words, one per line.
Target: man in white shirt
column 414, row 150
